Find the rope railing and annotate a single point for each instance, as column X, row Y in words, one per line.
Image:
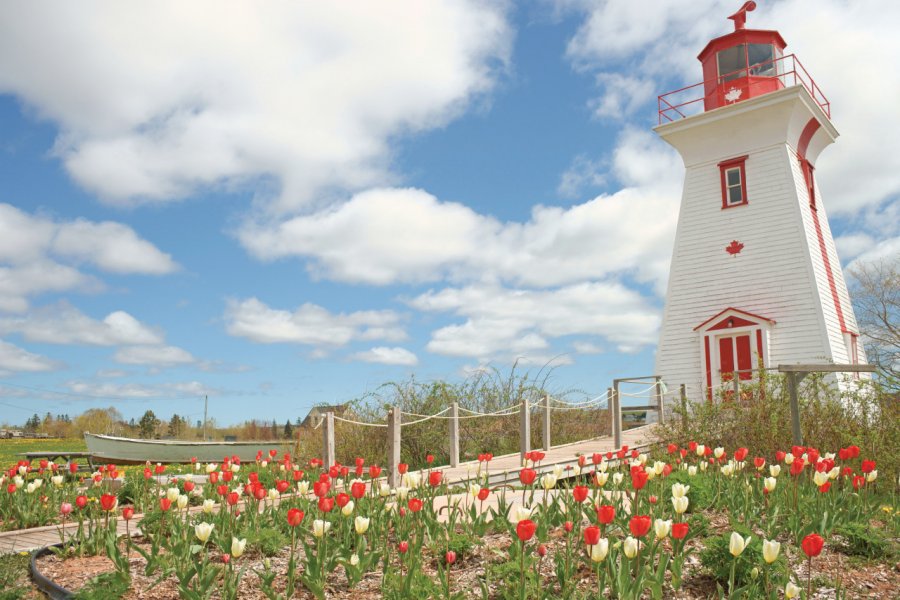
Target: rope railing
column 337, row 418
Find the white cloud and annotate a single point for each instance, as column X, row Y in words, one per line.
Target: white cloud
column 113, row 247
column 391, row 235
column 309, row 324
column 34, row 250
column 64, row 324
column 583, row 173
column 17, row 360
column 387, row 356
column 622, row 95
column 886, row 250
column 107, row 390
column 157, row 356
column 308, row 94
column 505, row 324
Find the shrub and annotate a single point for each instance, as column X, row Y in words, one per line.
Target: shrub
column 857, row 539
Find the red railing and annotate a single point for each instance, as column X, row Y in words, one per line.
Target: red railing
column 693, row 99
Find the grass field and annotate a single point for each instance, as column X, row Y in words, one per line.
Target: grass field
column 10, row 449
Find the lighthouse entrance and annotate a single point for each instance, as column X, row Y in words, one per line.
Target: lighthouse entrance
column 735, row 356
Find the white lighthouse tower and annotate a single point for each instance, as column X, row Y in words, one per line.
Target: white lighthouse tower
column 755, row 277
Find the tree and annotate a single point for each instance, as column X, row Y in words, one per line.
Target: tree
column 274, row 430
column 288, row 430
column 176, row 425
column 98, row 420
column 876, row 300
column 148, row 425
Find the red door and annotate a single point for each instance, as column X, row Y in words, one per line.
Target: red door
column 734, row 354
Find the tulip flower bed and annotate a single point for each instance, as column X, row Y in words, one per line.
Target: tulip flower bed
column 692, row 522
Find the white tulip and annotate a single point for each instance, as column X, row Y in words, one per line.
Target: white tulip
column 692, row 470
column 791, row 590
column 737, row 543
column 548, row 481
column 872, row 476
column 172, row 494
column 601, row 478
column 820, row 477
column 576, row 469
column 30, row 488
column 701, row 449
column 727, row 470
column 788, row 458
column 208, row 505
column 600, row 550
column 703, row 466
column 769, row 483
column 603, row 466
column 354, row 560
column 182, row 501
column 203, row 531
column 320, row 527
column 658, row 467
column 680, row 504
column 558, row 471
column 264, row 464
column 679, row 490
column 770, row 550
column 302, row 487
column 273, row 494
column 662, row 528
column 235, row 468
column 361, row 524
column 774, row 470
column 210, row 467
column 384, row 490
column 347, row 509
column 617, row 478
column 718, row 452
column 57, row 480
column 517, row 513
column 402, row 492
column 630, row 547
column 237, row 547
column 834, row 473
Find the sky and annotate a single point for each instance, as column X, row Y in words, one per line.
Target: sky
column 283, row 204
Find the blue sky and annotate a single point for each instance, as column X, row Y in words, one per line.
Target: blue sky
column 295, row 204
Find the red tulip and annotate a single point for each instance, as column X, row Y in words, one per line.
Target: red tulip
column 844, row 454
column 360, row 461
column 542, row 550
column 294, row 517
column 596, row 458
column 222, row 489
column 108, row 502
column 233, row 498
column 127, row 513
column 797, row 466
column 358, row 489
column 639, row 525
column 525, row 529
column 80, row 501
column 326, row 504
column 73, row 468
column 812, row 456
column 450, row 557
column 653, row 499
column 483, row 494
column 320, row 488
column 692, row 446
column 859, row 481
column 414, row 504
column 273, row 453
column 429, row 458
column 11, row 488
column 867, row 466
column 342, row 499
column 825, row 487
column 638, row 479
column 580, row 492
column 298, row 475
column 759, row 462
column 214, row 477
column 854, row 451
column 679, row 530
column 403, row 547
column 812, row 544
column 259, row 492
column 345, row 471
column 160, row 469
column 568, row 526
column 527, row 476
column 374, row 471
column 434, row 478
column 188, row 486
column 402, row 468
column 672, row 448
column 592, row 535
column 282, row 486
column 740, row 454
column 606, row 514
column 165, row 504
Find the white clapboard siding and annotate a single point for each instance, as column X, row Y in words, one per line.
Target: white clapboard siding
column 780, row 273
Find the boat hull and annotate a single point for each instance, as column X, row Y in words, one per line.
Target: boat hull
column 119, row 450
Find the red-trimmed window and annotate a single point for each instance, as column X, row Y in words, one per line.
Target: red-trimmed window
column 810, row 182
column 734, row 182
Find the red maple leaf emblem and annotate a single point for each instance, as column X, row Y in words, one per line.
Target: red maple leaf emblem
column 734, row 248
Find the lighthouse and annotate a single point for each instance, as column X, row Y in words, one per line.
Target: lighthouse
column 755, row 279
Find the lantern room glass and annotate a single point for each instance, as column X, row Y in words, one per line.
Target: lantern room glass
column 744, row 60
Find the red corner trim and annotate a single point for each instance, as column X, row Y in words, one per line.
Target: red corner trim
column 808, row 132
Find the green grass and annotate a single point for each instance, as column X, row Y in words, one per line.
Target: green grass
column 10, row 449
column 14, row 577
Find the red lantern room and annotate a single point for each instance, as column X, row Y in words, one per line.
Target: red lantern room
column 743, row 64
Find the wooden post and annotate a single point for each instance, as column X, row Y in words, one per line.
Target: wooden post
column 454, row 434
column 736, row 384
column 609, row 409
column 659, row 398
column 524, row 430
column 684, row 415
column 393, row 457
column 793, row 380
column 328, row 439
column 546, row 423
column 617, row 416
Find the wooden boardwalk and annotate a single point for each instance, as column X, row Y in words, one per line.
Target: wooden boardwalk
column 502, row 469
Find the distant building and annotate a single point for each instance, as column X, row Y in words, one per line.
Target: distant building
column 317, row 414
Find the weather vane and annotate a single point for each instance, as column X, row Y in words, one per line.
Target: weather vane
column 740, row 17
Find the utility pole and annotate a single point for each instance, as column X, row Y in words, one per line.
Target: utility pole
column 205, row 406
